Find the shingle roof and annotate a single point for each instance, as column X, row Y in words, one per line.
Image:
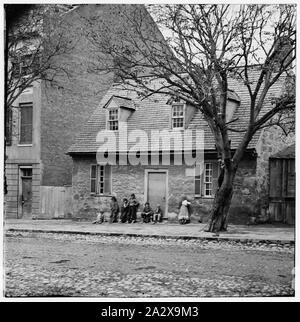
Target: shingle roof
column 154, row 113
column 287, row 153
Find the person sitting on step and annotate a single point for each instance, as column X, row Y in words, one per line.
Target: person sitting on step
column 147, row 213
column 157, row 216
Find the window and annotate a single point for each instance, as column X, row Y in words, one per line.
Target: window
column 178, row 116
column 26, row 172
column 208, row 175
column 8, row 127
column 101, row 179
column 113, row 120
column 25, row 123
column 206, row 182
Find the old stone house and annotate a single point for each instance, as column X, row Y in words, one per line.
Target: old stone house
column 95, row 182
column 46, row 118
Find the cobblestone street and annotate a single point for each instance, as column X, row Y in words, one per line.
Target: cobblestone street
column 53, row 264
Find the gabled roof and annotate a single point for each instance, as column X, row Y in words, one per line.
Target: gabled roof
column 154, row 113
column 286, row 153
column 121, row 102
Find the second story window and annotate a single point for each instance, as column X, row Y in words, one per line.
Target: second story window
column 113, row 123
column 178, row 116
column 26, row 116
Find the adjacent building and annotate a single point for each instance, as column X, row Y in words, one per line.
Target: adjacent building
column 46, row 118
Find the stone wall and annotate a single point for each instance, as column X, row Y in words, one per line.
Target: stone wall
column 125, row 180
column 272, row 140
column 131, row 179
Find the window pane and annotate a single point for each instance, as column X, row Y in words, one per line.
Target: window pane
column 177, row 122
column 26, row 123
column 177, row 116
column 208, row 179
column 113, row 125
column 27, row 172
column 178, row 110
column 113, row 115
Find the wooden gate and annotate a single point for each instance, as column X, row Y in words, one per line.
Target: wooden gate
column 282, row 190
column 56, row 202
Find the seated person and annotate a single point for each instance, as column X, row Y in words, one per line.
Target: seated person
column 100, row 218
column 157, row 216
column 125, row 211
column 147, row 213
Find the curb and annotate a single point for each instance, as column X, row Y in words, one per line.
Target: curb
column 182, row 237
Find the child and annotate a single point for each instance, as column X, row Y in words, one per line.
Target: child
column 114, row 210
column 184, row 216
column 125, row 211
column 157, row 215
column 147, row 213
column 100, row 218
column 133, row 206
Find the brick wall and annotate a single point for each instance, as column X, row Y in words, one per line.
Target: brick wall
column 68, row 104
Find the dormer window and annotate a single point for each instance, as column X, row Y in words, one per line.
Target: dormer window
column 113, row 121
column 178, row 116
column 118, row 109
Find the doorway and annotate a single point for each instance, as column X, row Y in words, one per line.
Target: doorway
column 25, row 192
column 156, row 189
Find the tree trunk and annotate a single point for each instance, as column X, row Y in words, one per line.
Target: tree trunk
column 222, row 201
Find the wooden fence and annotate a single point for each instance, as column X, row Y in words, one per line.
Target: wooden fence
column 56, row 202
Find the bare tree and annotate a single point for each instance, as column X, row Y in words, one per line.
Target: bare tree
column 36, row 36
column 205, row 46
column 34, row 42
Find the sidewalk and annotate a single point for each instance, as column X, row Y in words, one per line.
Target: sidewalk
column 239, row 233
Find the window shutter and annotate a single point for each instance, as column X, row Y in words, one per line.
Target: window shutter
column 93, row 178
column 107, row 179
column 8, row 127
column 198, row 181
